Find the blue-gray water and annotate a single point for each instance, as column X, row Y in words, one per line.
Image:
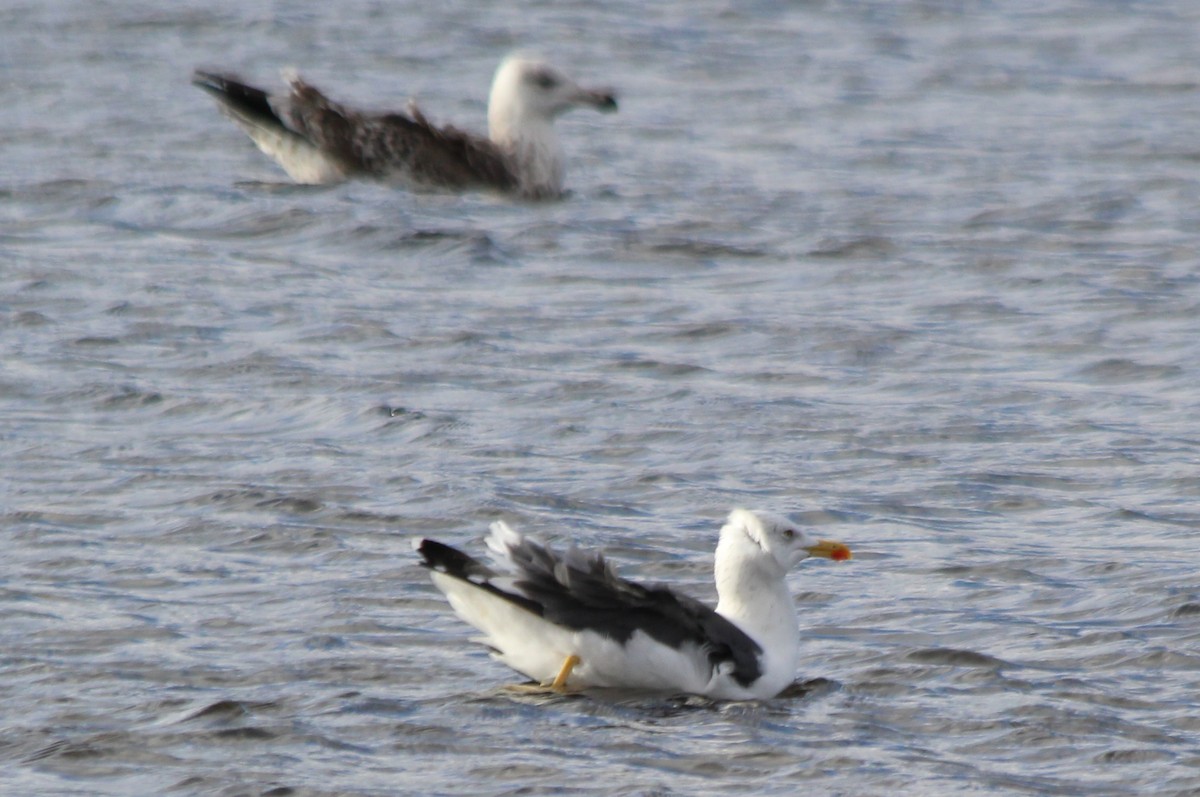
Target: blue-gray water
column 925, row 275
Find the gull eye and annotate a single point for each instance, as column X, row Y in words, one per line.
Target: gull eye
column 789, row 534
column 544, row 80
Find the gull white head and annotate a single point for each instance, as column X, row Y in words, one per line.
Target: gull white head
column 774, row 542
column 527, row 95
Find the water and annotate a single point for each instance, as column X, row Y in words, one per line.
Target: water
column 923, row 275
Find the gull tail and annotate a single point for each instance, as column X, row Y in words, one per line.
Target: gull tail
column 245, row 103
column 442, row 558
column 253, row 110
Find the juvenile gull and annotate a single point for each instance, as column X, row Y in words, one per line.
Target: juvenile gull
column 570, row 622
column 317, row 140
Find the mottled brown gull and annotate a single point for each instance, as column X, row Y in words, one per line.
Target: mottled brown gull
column 570, row 622
column 317, row 140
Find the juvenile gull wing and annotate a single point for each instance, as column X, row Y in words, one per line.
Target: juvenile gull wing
column 317, row 140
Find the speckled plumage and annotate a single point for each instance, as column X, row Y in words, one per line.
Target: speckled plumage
column 317, row 140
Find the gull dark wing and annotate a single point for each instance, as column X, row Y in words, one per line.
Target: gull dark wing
column 240, row 99
column 456, row 564
column 363, row 144
column 584, row 593
column 453, row 562
column 438, row 156
column 267, row 120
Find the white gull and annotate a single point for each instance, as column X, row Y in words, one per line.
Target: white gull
column 570, row 622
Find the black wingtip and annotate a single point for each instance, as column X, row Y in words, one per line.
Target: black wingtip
column 451, row 561
column 210, row 81
column 239, row 99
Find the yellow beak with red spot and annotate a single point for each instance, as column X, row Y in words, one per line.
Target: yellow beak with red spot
column 829, row 549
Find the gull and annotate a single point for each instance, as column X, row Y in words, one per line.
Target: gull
column 317, row 140
column 569, row 622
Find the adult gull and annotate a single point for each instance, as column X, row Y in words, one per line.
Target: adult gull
column 570, row 622
column 317, row 140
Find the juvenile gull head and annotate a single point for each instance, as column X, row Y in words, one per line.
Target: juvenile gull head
column 527, row 95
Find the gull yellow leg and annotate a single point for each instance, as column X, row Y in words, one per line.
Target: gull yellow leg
column 560, row 681
column 556, row 687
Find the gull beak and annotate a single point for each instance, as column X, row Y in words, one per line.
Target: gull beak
column 828, row 549
column 604, row 100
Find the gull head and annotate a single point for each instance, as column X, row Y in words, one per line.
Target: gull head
column 528, row 93
column 776, row 539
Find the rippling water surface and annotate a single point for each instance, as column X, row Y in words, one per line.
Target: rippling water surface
column 924, row 275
